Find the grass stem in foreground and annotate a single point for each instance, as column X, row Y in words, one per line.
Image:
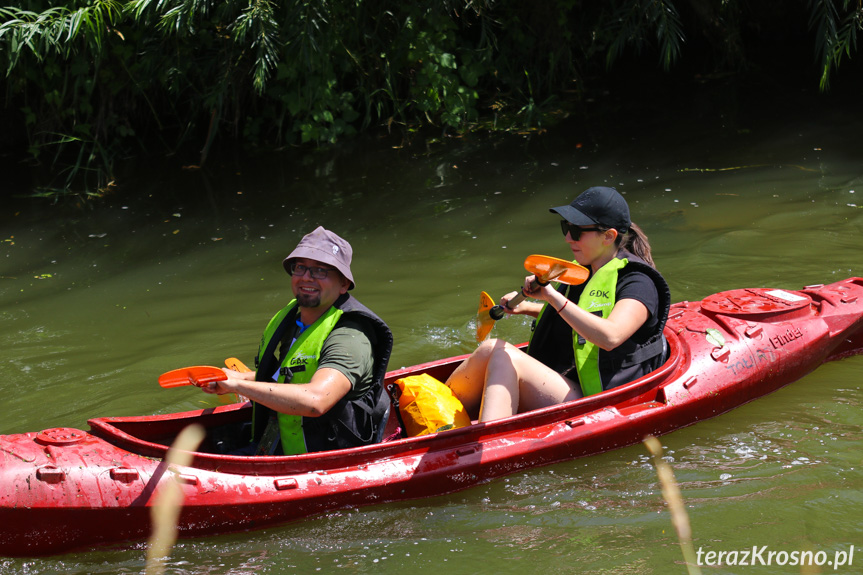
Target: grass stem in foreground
column 165, row 511
column 671, row 493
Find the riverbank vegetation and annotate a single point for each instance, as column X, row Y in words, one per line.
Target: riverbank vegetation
column 89, row 83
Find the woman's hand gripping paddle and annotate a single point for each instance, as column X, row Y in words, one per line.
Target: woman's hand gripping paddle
column 546, row 269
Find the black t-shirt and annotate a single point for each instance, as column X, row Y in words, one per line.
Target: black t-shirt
column 636, row 285
column 556, row 350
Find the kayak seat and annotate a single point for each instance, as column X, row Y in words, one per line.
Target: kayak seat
column 228, row 438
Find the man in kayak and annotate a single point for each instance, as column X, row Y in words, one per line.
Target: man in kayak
column 587, row 338
column 331, row 349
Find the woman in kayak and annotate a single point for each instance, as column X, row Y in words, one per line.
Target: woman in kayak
column 587, row 338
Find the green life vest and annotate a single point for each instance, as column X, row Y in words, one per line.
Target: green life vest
column 298, row 366
column 598, row 298
column 554, row 343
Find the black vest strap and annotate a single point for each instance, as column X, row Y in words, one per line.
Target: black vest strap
column 644, row 352
column 346, row 426
column 270, row 362
column 268, row 365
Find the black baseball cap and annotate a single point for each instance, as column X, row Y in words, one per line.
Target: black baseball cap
column 597, row 205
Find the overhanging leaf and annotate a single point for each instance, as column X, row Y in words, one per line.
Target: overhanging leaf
column 715, row 337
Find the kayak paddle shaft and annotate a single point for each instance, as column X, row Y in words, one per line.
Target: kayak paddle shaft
column 498, row 312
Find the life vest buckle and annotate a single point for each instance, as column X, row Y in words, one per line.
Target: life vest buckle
column 289, row 372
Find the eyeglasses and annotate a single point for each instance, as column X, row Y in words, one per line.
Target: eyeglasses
column 300, row 270
column 575, row 231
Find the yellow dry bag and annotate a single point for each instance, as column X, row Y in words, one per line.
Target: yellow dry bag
column 428, row 406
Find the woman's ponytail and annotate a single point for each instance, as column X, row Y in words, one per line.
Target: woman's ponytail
column 635, row 241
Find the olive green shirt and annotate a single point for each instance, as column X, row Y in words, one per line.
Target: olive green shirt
column 348, row 349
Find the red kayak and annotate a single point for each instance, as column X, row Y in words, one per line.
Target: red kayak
column 64, row 489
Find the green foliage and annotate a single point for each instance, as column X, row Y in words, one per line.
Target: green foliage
column 437, row 87
column 635, row 22
column 256, row 27
column 835, row 32
column 57, row 54
column 56, row 31
column 99, row 79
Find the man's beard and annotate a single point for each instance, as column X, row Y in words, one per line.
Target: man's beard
column 308, row 300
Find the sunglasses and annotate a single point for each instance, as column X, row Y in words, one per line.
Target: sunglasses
column 575, row 231
column 300, row 270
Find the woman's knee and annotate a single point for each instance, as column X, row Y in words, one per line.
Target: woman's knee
column 489, row 347
column 505, row 351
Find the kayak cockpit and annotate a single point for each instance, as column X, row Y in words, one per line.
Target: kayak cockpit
column 227, row 427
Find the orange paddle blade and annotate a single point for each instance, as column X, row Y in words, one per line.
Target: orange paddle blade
column 484, row 322
column 236, row 364
column 195, row 375
column 547, row 268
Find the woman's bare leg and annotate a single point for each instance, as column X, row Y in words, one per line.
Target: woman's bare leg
column 516, row 382
column 468, row 380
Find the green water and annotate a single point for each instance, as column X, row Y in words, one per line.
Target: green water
column 184, row 268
